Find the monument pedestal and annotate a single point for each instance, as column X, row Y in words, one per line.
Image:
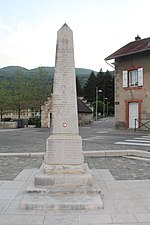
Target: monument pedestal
column 63, row 179
column 63, row 186
column 62, row 191
column 64, row 154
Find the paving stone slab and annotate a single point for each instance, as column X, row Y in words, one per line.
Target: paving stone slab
column 21, row 220
column 12, row 184
column 143, row 218
column 8, row 194
column 25, row 174
column 123, row 218
column 4, row 204
column 95, row 220
column 130, row 206
column 61, row 220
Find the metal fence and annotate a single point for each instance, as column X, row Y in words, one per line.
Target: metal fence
column 142, row 125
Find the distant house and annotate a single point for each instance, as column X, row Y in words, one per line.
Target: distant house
column 132, row 83
column 85, row 113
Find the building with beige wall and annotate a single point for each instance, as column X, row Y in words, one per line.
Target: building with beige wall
column 132, row 84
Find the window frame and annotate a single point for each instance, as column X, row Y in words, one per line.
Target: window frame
column 133, row 78
column 127, row 81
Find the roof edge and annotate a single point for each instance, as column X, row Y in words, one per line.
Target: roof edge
column 122, row 55
column 129, row 49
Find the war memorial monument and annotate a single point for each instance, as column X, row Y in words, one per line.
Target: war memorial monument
column 64, row 181
column 64, row 191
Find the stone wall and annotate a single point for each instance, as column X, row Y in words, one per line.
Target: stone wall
column 85, row 118
column 46, row 111
column 9, row 125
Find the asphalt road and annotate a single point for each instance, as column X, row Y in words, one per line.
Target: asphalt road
column 100, row 135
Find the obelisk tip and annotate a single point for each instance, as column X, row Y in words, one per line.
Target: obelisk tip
column 65, row 26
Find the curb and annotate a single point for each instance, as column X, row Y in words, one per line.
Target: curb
column 111, row 153
column 106, row 153
column 25, row 154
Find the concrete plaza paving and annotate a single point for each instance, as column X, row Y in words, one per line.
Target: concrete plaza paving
column 124, row 183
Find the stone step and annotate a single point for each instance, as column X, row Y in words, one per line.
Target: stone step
column 57, row 190
column 62, row 202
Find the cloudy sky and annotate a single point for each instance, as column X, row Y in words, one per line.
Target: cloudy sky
column 28, row 29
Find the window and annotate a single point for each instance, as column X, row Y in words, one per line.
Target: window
column 133, row 78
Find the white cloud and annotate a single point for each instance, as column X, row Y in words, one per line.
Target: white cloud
column 27, row 46
column 99, row 27
column 4, row 28
column 31, row 47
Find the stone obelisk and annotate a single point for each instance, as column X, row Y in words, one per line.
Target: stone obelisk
column 64, row 146
column 64, row 180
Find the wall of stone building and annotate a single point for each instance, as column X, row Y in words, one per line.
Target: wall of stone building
column 85, row 118
column 125, row 95
column 25, row 114
column 46, row 111
column 46, row 114
column 8, row 125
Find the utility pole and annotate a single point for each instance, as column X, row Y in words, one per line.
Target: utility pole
column 97, row 91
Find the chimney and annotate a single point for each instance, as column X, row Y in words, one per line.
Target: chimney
column 137, row 38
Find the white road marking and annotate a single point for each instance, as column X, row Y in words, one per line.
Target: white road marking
column 131, row 143
column 91, row 138
column 142, row 138
column 139, row 140
column 102, row 132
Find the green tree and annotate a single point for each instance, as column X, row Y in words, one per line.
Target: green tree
column 79, row 88
column 20, row 93
column 109, row 87
column 105, row 82
column 90, row 88
column 99, row 107
column 4, row 97
column 41, row 88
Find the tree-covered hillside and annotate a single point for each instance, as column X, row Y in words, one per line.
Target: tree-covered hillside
column 21, row 88
column 7, row 73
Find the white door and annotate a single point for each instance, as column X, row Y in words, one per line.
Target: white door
column 133, row 114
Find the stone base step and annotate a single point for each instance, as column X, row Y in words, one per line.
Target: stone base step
column 62, row 202
column 63, row 190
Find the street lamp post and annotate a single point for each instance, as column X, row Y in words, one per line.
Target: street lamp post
column 97, row 91
column 108, row 107
column 104, row 105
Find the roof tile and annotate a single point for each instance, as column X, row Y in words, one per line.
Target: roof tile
column 140, row 45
